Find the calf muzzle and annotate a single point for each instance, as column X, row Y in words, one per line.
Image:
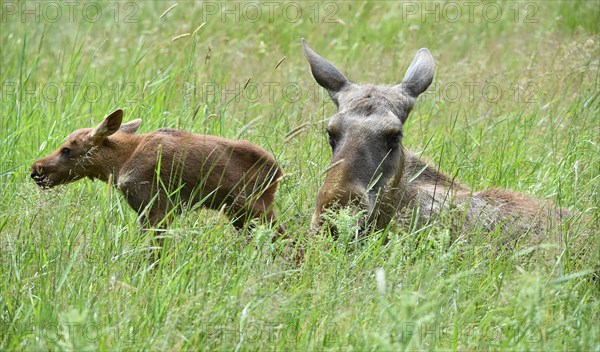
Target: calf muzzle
column 40, row 179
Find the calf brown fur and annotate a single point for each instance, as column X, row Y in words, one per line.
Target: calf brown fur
column 162, row 171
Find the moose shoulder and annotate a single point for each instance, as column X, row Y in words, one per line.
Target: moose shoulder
column 372, row 174
column 162, row 171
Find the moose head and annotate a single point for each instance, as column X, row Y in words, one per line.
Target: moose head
column 83, row 154
column 368, row 160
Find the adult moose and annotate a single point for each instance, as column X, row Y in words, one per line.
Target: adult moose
column 161, row 172
column 372, row 173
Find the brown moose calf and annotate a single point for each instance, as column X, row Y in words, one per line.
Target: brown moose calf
column 162, row 171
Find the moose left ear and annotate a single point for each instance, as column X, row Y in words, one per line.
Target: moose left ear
column 419, row 75
column 326, row 75
column 108, row 126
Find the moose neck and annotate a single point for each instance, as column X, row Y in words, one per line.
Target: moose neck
column 113, row 154
column 420, row 184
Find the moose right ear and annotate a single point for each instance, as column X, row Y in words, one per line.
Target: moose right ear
column 108, row 126
column 325, row 73
column 131, row 127
column 419, row 74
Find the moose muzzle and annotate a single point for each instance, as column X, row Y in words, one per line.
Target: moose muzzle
column 332, row 199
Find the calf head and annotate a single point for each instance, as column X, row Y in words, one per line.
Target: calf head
column 365, row 135
column 83, row 154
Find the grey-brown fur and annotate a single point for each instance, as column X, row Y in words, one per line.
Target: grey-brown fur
column 366, row 139
column 237, row 176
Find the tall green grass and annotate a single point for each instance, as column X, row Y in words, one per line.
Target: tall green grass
column 74, row 273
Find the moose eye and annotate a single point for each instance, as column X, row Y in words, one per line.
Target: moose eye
column 332, row 138
column 394, row 140
column 65, row 152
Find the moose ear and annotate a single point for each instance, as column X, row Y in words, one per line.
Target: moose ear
column 419, row 75
column 131, row 127
column 108, row 126
column 325, row 74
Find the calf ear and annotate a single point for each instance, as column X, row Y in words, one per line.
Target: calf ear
column 325, row 73
column 108, row 126
column 419, row 75
column 131, row 127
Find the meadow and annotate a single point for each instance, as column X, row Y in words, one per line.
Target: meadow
column 515, row 104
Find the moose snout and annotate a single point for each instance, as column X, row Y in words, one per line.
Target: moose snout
column 37, row 175
column 35, row 172
column 331, row 201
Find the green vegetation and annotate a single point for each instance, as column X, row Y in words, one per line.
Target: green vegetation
column 515, row 104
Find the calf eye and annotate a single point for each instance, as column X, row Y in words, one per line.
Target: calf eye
column 65, row 152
